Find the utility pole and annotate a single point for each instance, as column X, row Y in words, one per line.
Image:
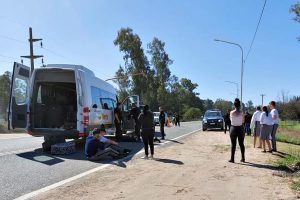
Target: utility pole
column 262, row 99
column 32, row 56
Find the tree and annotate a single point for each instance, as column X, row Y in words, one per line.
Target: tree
column 135, row 60
column 5, row 84
column 296, row 10
column 208, row 104
column 160, row 61
column 250, row 106
column 223, row 105
column 123, row 83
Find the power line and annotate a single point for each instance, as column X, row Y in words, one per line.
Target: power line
column 254, row 36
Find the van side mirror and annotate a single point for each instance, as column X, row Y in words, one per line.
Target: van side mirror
column 95, row 106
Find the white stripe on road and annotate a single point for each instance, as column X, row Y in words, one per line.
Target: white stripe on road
column 55, row 185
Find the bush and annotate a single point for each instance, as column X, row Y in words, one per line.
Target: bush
column 192, row 114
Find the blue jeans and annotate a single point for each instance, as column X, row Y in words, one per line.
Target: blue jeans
column 247, row 128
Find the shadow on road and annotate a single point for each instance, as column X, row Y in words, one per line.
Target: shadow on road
column 169, row 161
column 45, row 157
column 39, row 156
column 175, row 141
column 264, row 166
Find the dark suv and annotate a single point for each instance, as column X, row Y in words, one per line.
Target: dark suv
column 212, row 119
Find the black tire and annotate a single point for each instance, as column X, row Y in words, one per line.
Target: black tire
column 204, row 129
column 51, row 140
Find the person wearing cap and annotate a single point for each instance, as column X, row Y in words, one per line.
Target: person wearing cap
column 96, row 148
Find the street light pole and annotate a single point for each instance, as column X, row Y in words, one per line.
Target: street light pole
column 237, row 87
column 242, row 67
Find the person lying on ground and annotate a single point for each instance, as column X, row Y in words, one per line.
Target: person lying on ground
column 98, row 147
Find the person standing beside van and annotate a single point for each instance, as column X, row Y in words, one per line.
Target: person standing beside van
column 275, row 119
column 118, row 121
column 255, row 125
column 134, row 113
column 162, row 122
column 146, row 119
column 266, row 128
column 236, row 130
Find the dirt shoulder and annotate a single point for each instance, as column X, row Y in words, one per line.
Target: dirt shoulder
column 194, row 168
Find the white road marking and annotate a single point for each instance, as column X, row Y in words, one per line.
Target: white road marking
column 55, row 185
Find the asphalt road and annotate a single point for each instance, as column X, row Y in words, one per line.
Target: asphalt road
column 25, row 167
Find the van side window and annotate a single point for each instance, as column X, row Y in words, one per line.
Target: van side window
column 107, row 104
column 98, row 94
column 20, row 91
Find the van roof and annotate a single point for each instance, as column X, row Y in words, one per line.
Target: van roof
column 94, row 80
column 69, row 66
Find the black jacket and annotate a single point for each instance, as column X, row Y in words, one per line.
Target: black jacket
column 162, row 117
column 146, row 120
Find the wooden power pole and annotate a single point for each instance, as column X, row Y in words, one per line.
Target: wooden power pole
column 32, row 56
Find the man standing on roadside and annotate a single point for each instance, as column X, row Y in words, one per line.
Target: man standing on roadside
column 118, row 121
column 227, row 121
column 134, row 113
column 162, row 122
column 275, row 119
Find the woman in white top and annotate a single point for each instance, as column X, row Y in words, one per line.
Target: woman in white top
column 266, row 128
column 236, row 130
column 255, row 123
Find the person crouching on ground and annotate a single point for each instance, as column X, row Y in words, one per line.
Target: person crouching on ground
column 96, row 148
column 255, row 123
column 146, row 120
column 266, row 124
column 236, row 130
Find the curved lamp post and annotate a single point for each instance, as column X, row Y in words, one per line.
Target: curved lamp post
column 242, row 67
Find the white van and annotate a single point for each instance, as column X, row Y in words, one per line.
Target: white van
column 63, row 101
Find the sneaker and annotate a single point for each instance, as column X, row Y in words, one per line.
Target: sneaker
column 243, row 160
column 151, row 157
column 232, row 161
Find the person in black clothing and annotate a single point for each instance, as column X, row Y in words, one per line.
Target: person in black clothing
column 236, row 130
column 162, row 122
column 146, row 119
column 248, row 118
column 118, row 121
column 134, row 113
column 227, row 121
column 177, row 119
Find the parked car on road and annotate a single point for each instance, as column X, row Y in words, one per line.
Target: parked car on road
column 212, row 119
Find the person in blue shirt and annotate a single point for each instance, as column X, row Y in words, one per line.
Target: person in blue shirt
column 98, row 147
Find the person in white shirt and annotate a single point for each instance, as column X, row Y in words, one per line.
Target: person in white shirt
column 255, row 125
column 266, row 128
column 275, row 119
column 236, row 130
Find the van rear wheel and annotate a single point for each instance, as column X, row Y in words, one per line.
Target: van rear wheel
column 51, row 140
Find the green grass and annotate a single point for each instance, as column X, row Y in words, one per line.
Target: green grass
column 290, row 124
column 282, row 137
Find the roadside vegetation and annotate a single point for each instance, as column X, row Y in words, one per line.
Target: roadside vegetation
column 289, row 160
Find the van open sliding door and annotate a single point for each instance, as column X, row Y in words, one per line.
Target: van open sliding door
column 17, row 109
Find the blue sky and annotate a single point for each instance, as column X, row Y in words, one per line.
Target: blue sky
column 82, row 32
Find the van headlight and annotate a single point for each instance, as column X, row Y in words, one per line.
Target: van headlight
column 220, row 120
column 205, row 121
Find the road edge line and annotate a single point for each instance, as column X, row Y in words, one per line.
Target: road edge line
column 68, row 180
